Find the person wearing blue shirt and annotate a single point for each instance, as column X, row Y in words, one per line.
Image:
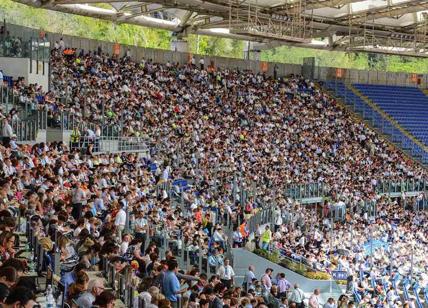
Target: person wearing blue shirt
column 171, row 284
column 68, row 278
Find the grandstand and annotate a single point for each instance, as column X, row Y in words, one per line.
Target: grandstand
column 134, row 177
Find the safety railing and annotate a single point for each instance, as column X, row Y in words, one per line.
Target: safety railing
column 109, row 144
column 25, row 130
column 306, row 191
column 386, row 187
column 24, row 109
column 260, row 217
column 22, row 130
column 13, row 46
column 69, row 121
column 18, row 46
column 8, row 98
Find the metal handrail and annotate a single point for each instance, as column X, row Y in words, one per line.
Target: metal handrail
column 111, row 144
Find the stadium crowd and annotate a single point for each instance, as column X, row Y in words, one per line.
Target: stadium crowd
column 213, row 127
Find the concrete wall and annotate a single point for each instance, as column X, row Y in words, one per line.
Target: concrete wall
column 162, row 56
column 243, row 258
column 20, row 67
column 15, row 67
column 39, row 74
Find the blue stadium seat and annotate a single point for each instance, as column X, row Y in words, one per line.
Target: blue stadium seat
column 407, row 105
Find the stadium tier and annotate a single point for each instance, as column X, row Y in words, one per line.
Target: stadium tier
column 207, row 163
column 409, row 106
column 400, row 133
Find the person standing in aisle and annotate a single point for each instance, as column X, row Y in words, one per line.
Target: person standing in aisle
column 226, row 274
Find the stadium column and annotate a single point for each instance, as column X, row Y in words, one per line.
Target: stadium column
column 251, row 51
column 180, row 45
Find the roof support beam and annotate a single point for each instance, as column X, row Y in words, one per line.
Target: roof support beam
column 387, row 11
column 311, row 5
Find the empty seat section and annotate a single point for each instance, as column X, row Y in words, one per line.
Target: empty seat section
column 407, row 105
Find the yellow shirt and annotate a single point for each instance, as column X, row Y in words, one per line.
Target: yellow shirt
column 267, row 236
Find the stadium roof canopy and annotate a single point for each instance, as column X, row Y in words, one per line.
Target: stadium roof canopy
column 386, row 26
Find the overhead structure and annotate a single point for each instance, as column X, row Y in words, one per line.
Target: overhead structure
column 385, row 26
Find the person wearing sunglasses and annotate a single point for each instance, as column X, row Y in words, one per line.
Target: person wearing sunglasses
column 20, row 297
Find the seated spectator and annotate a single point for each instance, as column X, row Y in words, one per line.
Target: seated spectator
column 19, row 297
column 7, row 243
column 95, row 288
column 8, row 276
column 79, row 287
column 104, row 300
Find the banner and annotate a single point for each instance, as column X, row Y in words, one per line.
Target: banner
column 116, row 49
column 42, row 34
column 340, row 72
column 339, row 275
column 264, row 66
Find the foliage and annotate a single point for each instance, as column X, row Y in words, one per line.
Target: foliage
column 342, row 282
column 291, row 265
column 271, row 256
column 318, row 275
column 147, row 37
column 205, row 45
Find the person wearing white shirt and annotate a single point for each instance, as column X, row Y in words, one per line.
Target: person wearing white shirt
column 61, row 44
column 313, row 299
column 165, row 173
column 226, row 273
column 120, row 221
column 7, row 133
column 218, row 237
column 249, row 276
column 126, row 239
column 297, row 296
column 237, row 238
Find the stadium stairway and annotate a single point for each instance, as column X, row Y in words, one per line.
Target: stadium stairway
column 384, row 123
column 242, row 258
